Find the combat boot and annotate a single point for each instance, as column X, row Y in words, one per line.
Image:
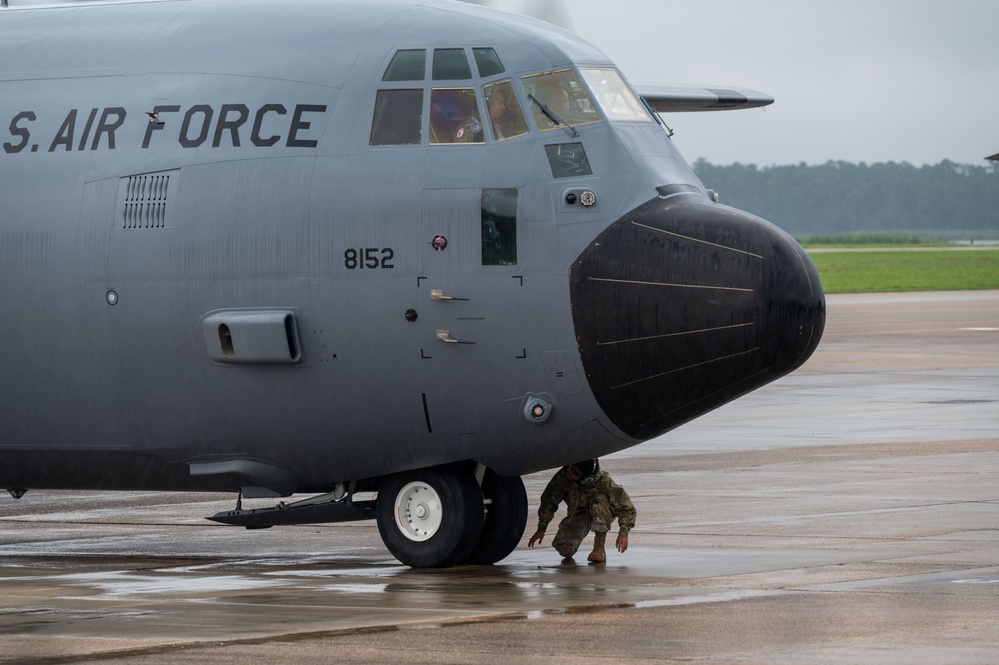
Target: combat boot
column 598, row 555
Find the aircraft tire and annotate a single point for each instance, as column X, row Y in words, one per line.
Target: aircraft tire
column 430, row 518
column 506, row 517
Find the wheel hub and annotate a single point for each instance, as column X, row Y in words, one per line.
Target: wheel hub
column 418, row 511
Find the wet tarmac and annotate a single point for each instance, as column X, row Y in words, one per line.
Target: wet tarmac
column 848, row 513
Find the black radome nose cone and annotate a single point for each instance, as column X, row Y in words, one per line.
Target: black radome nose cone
column 684, row 305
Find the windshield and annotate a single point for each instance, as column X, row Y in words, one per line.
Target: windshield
column 563, row 94
column 615, row 99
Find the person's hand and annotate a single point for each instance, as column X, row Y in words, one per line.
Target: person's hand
column 536, row 538
column 622, row 543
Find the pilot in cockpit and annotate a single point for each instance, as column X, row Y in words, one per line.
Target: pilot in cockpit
column 558, row 99
column 504, row 111
column 454, row 117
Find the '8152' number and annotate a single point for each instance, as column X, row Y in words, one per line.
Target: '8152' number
column 370, row 258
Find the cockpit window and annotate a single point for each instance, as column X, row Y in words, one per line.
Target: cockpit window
column 568, row 160
column 407, row 65
column 505, row 115
column 562, row 93
column 398, row 118
column 403, row 116
column 488, row 62
column 615, row 99
column 454, row 116
column 451, row 64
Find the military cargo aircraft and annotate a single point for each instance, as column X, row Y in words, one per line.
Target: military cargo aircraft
column 408, row 250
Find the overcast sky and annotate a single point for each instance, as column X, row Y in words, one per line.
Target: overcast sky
column 855, row 80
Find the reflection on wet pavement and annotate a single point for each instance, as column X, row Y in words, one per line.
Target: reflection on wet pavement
column 862, row 485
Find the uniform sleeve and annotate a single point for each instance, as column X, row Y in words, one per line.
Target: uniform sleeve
column 623, row 508
column 550, row 498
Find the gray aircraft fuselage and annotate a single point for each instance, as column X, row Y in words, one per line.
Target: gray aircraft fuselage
column 220, row 271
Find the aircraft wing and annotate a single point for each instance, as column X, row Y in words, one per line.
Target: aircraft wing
column 673, row 98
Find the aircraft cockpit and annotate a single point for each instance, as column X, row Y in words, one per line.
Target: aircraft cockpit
column 446, row 104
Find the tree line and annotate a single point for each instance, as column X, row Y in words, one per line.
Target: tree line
column 946, row 200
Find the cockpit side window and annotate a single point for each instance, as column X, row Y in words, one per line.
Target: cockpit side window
column 454, row 116
column 407, row 65
column 505, row 115
column 451, row 64
column 615, row 99
column 488, row 62
column 561, row 92
column 398, row 118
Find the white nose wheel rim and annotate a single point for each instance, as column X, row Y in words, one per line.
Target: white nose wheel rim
column 418, row 511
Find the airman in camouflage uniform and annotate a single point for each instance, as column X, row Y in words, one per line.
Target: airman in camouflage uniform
column 593, row 501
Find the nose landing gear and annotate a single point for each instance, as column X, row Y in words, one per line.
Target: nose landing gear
column 440, row 517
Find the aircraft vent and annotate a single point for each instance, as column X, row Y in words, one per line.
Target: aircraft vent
column 145, row 201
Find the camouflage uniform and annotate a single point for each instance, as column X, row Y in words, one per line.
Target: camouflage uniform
column 591, row 507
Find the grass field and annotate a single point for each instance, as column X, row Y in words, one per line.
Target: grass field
column 876, row 271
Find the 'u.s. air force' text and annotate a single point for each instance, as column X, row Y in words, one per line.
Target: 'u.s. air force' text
column 229, row 125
